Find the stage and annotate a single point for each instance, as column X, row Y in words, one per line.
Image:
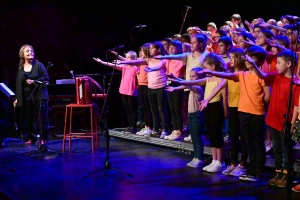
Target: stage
column 159, row 172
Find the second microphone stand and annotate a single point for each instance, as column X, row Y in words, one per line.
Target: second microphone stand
column 107, row 165
column 42, row 147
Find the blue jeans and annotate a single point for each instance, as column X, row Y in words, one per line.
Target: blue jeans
column 196, row 127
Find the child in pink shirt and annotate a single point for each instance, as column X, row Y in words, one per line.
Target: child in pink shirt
column 128, row 89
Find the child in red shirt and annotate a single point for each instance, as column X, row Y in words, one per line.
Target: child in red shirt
column 280, row 81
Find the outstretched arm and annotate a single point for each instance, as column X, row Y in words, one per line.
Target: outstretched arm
column 229, row 76
column 222, row 86
column 267, row 25
column 119, row 56
column 116, row 66
column 173, row 56
column 133, row 62
column 158, row 67
column 257, row 71
column 171, row 76
column 171, row 89
column 195, row 82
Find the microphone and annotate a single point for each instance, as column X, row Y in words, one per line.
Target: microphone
column 116, row 48
column 50, row 64
column 72, row 73
column 140, row 26
column 296, row 26
column 188, row 7
column 41, row 82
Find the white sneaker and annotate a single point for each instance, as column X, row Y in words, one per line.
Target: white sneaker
column 163, row 134
column 147, row 132
column 190, row 163
column 208, row 166
column 228, row 170
column 197, row 163
column 297, row 146
column 238, row 171
column 175, row 136
column 167, row 137
column 188, row 139
column 217, row 167
column 141, row 131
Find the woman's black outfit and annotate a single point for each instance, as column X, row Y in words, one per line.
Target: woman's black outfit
column 35, row 115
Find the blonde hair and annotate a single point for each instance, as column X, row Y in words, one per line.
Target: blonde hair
column 21, row 54
column 132, row 54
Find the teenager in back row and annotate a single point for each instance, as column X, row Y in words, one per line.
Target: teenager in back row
column 192, row 60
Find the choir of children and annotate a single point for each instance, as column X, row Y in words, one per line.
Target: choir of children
column 228, row 73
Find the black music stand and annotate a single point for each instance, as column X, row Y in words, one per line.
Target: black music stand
column 8, row 93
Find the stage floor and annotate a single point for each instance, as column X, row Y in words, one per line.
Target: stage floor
column 158, row 173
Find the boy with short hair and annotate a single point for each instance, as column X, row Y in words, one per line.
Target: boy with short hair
column 280, row 82
column 224, row 47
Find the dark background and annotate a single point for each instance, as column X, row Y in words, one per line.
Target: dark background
column 69, row 33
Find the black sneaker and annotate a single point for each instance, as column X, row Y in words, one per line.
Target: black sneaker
column 249, row 178
column 155, row 132
column 243, row 177
column 131, row 130
column 126, row 129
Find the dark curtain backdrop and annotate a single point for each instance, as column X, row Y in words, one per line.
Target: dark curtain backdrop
column 69, row 33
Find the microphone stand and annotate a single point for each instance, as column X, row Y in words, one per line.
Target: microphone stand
column 133, row 39
column 186, row 12
column 42, row 148
column 287, row 127
column 107, row 165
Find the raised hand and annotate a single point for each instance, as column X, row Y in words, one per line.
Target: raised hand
column 248, row 59
column 297, row 82
column 248, row 24
column 204, row 72
column 98, row 60
column 113, row 52
column 203, row 104
column 170, row 89
column 174, row 80
column 171, row 76
column 275, row 44
column 29, row 81
column 248, row 41
column 147, row 69
column 261, row 20
column 264, row 24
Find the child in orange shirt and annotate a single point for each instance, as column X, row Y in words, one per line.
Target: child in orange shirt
column 253, row 95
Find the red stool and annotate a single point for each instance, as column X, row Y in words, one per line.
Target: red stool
column 94, row 127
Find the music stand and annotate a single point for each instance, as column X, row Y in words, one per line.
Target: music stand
column 8, row 93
